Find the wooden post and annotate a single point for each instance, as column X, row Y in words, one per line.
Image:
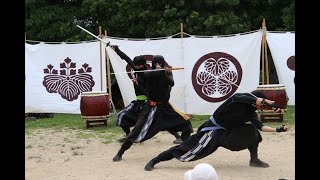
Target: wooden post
column 262, row 56
column 266, row 52
column 181, row 30
column 265, row 67
column 109, row 79
column 108, row 71
column 100, row 35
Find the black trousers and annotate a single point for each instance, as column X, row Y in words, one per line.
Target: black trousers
column 205, row 143
column 152, row 120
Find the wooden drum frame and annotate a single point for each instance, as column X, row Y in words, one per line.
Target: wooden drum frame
column 95, row 107
column 277, row 93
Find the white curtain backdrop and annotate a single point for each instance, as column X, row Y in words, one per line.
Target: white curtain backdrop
column 56, row 74
column 237, row 59
column 223, row 53
column 170, row 49
column 282, row 49
column 214, row 69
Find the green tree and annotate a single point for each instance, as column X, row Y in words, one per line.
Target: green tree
column 56, row 20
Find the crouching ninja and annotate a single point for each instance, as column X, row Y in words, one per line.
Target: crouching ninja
column 234, row 125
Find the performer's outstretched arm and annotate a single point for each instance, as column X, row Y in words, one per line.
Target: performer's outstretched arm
column 123, row 56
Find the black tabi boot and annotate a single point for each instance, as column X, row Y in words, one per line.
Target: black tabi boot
column 126, row 145
column 177, row 141
column 164, row 156
column 177, row 136
column 254, row 160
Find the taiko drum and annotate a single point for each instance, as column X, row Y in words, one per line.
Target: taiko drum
column 275, row 92
column 94, row 105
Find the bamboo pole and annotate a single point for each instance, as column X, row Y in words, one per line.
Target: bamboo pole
column 108, row 71
column 109, row 78
column 100, row 35
column 267, row 64
column 182, row 55
column 262, row 56
column 266, row 51
column 181, row 30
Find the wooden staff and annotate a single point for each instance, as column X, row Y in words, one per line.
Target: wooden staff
column 107, row 43
column 162, row 69
column 176, row 68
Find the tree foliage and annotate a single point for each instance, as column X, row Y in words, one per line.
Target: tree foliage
column 56, row 20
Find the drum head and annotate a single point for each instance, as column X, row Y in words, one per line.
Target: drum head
column 94, row 93
column 271, row 86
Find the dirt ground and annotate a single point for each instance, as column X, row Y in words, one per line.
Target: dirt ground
column 61, row 155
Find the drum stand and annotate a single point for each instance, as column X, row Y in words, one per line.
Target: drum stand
column 96, row 121
column 270, row 116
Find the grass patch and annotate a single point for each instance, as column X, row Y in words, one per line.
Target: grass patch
column 73, row 121
column 111, row 132
column 198, row 120
column 85, row 135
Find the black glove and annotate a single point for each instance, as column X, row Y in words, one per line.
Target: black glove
column 281, row 129
column 115, row 47
column 274, row 105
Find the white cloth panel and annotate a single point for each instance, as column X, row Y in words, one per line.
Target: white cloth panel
column 170, row 49
column 237, row 72
column 123, row 80
column 74, row 77
column 244, row 48
column 282, row 49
